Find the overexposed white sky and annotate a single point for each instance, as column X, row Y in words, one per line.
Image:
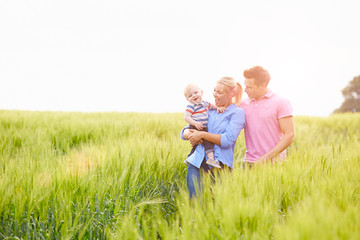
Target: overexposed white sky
column 137, row 56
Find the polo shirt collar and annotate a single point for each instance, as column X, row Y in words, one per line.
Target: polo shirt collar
column 268, row 94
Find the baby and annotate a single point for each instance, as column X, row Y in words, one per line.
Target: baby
column 196, row 114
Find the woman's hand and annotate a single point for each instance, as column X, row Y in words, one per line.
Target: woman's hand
column 195, row 137
column 187, row 133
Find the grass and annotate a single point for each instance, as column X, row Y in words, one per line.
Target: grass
column 121, row 176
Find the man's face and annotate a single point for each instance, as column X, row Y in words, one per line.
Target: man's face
column 252, row 90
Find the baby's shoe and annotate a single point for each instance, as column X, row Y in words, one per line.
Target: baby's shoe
column 213, row 163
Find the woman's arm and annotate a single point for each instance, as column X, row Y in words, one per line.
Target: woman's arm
column 185, row 134
column 225, row 139
column 233, row 128
column 196, row 137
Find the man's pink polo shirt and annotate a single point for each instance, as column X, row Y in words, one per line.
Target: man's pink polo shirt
column 262, row 130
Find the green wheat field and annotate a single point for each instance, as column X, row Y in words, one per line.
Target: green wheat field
column 121, row 176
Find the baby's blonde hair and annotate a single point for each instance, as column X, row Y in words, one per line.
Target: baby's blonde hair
column 233, row 88
column 188, row 88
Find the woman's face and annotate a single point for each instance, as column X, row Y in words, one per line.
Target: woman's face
column 222, row 98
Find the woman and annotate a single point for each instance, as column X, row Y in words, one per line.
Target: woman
column 223, row 130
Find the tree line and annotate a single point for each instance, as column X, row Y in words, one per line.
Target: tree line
column 351, row 94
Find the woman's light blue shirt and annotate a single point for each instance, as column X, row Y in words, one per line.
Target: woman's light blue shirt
column 229, row 125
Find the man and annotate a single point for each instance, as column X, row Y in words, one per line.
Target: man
column 269, row 126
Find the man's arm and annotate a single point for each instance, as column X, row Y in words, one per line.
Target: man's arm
column 287, row 128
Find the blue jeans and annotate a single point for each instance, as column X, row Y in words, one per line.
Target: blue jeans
column 193, row 178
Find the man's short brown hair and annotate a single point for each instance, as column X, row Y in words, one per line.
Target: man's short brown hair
column 259, row 74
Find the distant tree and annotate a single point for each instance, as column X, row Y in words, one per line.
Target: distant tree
column 351, row 94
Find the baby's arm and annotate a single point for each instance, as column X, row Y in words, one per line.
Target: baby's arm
column 191, row 121
column 219, row 109
column 212, row 106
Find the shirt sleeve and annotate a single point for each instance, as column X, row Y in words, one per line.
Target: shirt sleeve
column 207, row 104
column 189, row 111
column 284, row 109
column 233, row 129
column 182, row 134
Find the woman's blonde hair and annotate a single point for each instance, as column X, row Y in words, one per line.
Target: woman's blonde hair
column 233, row 88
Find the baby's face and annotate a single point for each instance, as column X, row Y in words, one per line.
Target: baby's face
column 195, row 95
